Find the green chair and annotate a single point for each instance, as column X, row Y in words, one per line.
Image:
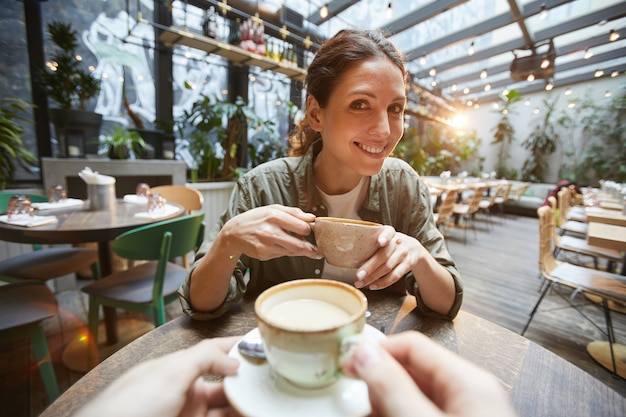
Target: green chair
column 147, row 287
column 23, row 307
column 43, row 264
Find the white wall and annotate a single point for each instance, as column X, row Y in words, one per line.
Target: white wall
column 484, row 119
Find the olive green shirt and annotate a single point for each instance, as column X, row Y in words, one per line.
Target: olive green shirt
column 396, row 196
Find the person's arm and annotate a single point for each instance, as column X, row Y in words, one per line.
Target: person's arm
column 408, row 372
column 172, row 385
column 262, row 233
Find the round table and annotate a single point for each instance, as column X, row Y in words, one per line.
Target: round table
column 81, row 225
column 539, row 382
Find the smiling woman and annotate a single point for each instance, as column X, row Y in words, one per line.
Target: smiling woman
column 340, row 167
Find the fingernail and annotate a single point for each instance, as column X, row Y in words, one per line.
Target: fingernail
column 361, row 274
column 382, row 240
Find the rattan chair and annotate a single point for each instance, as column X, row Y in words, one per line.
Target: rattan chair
column 566, row 226
column 605, row 285
column 467, row 211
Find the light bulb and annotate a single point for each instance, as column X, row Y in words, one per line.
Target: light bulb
column 483, row 74
column 487, row 87
column 598, row 73
column 324, row 11
column 389, row 12
column 588, row 54
column 531, row 77
column 613, row 35
column 433, row 71
column 543, row 12
column 549, row 86
column 545, row 63
column 471, row 50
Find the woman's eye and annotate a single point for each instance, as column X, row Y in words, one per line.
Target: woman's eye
column 359, row 105
column 396, row 108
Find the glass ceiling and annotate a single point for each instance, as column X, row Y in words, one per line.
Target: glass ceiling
column 439, row 34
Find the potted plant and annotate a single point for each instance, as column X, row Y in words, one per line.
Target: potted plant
column 217, row 136
column 542, row 142
column 12, row 149
column 120, row 143
column 504, row 131
column 70, row 86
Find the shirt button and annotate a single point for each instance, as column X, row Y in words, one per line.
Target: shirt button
column 317, row 272
column 314, row 208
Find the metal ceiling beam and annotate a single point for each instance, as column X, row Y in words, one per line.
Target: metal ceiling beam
column 517, row 15
column 561, row 51
column 611, row 13
column 593, row 62
column 481, row 28
column 421, row 15
column 539, row 86
column 334, row 8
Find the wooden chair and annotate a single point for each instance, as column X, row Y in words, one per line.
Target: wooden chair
column 605, row 285
column 146, row 288
column 516, row 193
column 446, row 209
column 48, row 263
column 23, row 308
column 580, row 246
column 573, row 227
column 190, row 198
column 503, row 196
column 486, row 204
column 467, row 211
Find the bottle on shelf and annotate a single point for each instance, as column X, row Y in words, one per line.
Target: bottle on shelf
column 234, row 37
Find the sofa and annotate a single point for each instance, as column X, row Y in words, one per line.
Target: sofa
column 527, row 203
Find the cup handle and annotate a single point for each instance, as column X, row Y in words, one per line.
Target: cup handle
column 349, row 343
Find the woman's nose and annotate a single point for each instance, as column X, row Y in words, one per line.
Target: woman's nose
column 379, row 125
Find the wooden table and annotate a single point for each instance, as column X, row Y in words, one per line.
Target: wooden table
column 80, row 225
column 539, row 382
column 607, row 235
column 599, row 215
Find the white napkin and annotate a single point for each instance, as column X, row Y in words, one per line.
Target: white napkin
column 167, row 210
column 92, row 177
column 67, row 202
column 136, row 199
column 29, row 221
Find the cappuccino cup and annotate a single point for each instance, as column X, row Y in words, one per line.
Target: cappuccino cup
column 346, row 243
column 303, row 324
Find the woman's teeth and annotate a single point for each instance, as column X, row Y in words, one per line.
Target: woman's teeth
column 371, row 149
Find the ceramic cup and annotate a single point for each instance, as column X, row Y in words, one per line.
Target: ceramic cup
column 303, row 323
column 346, row 243
column 155, row 202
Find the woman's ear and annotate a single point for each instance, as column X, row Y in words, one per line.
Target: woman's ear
column 313, row 113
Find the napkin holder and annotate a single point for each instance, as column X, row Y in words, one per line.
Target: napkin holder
column 101, row 196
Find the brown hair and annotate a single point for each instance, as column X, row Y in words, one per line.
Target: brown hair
column 334, row 58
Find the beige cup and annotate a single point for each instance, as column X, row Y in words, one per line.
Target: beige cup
column 302, row 324
column 346, row 243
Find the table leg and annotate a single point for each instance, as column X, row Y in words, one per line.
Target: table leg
column 110, row 315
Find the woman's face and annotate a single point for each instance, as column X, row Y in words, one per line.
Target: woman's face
column 363, row 120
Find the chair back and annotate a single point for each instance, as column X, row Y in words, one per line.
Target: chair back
column 190, row 198
column 5, row 196
column 161, row 242
column 474, row 204
column 446, row 208
column 517, row 193
column 547, row 262
column 494, row 194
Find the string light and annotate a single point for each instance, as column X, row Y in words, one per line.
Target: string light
column 324, row 11
column 568, row 92
column 613, row 35
column 545, row 63
column 588, row 54
column 483, row 74
column 614, row 73
column 466, row 90
column 471, row 51
column 608, row 94
column 549, row 86
column 433, row 71
column 389, row 12
column 487, row 87
column 598, row 73
column 423, row 60
column 531, row 77
column 543, row 12
column 453, row 87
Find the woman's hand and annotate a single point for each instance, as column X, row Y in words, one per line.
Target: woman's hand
column 270, row 232
column 409, row 374
column 172, row 385
column 398, row 254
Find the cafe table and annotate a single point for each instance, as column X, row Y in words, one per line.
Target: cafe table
column 539, row 382
column 600, row 215
column 78, row 224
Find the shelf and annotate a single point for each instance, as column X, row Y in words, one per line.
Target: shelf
column 174, row 36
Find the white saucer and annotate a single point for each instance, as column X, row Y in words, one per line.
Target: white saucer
column 256, row 391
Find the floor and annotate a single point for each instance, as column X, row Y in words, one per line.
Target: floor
column 499, row 267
